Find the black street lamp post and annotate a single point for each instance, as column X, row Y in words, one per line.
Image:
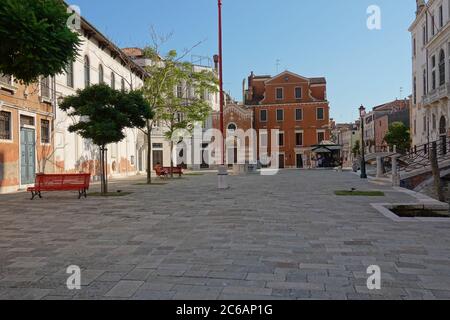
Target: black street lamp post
column 362, row 114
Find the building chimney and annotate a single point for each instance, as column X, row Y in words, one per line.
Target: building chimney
column 420, row 5
column 216, row 62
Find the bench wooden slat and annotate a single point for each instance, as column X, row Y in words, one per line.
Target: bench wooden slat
column 61, row 182
column 165, row 171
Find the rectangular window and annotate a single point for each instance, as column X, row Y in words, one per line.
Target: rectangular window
column 424, row 35
column 279, row 93
column 263, row 115
column 320, row 114
column 45, row 131
column 298, row 114
column 5, row 125
column 69, row 74
column 5, row 79
column 432, row 25
column 299, row 139
column 298, row 93
column 263, row 139
column 424, row 82
column 433, row 80
column 433, row 72
column 114, row 150
column 320, row 137
column 45, row 87
column 179, row 92
column 441, row 17
column 415, row 91
column 414, row 47
column 26, row 121
column 281, row 139
column 280, row 115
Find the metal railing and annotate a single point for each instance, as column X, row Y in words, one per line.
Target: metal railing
column 419, row 156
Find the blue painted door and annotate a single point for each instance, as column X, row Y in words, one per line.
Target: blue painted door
column 28, row 156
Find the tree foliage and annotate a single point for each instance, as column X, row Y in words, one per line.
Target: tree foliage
column 356, row 149
column 399, row 136
column 174, row 110
column 35, row 38
column 104, row 113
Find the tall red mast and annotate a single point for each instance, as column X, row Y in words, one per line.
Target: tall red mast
column 222, row 97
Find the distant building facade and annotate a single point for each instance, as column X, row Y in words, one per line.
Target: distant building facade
column 346, row 135
column 160, row 144
column 430, row 38
column 27, row 115
column 296, row 106
column 377, row 123
column 99, row 61
column 236, row 117
column 34, row 136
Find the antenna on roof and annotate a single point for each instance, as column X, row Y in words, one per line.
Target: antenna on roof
column 278, row 63
column 401, row 93
column 201, row 61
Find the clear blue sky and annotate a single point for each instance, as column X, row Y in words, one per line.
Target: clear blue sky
column 313, row 38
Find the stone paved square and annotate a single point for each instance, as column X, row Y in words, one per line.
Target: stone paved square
column 269, row 237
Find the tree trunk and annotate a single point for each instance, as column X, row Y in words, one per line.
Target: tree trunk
column 436, row 173
column 171, row 159
column 149, row 152
column 105, row 157
column 102, row 171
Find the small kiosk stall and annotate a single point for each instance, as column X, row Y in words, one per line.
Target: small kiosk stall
column 326, row 155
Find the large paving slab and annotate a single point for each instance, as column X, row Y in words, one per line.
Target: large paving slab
column 269, row 237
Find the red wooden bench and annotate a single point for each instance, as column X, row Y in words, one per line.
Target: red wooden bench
column 164, row 172
column 175, row 170
column 161, row 172
column 61, row 182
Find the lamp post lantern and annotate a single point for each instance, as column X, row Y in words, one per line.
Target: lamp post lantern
column 362, row 115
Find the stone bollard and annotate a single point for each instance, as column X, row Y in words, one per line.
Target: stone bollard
column 222, row 175
column 395, row 173
column 380, row 167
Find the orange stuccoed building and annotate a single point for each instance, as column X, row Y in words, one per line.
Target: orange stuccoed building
column 296, row 106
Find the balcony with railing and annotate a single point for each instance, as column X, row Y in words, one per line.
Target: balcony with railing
column 438, row 94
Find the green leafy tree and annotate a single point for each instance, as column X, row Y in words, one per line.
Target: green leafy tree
column 103, row 114
column 35, row 38
column 175, row 109
column 399, row 136
column 356, row 149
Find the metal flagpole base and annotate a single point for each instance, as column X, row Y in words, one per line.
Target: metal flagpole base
column 223, row 176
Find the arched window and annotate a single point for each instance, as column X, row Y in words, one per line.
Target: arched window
column 113, row 81
column 100, row 74
column 123, row 84
column 87, row 72
column 232, row 127
column 443, row 126
column 69, row 74
column 441, row 68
